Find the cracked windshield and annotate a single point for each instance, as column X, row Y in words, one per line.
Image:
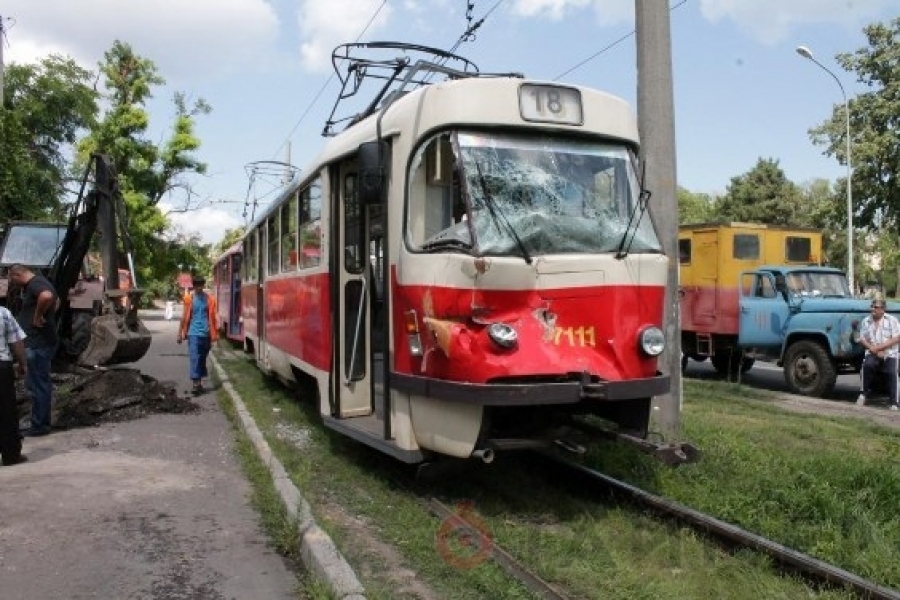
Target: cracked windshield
column 524, row 196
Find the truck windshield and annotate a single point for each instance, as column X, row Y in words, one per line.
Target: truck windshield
column 522, row 195
column 32, row 245
column 816, row 284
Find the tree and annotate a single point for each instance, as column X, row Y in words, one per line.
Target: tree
column 874, row 126
column 763, row 195
column 229, row 239
column 46, row 106
column 147, row 172
column 694, row 208
column 822, row 208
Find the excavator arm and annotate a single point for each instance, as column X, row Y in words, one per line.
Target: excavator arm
column 110, row 332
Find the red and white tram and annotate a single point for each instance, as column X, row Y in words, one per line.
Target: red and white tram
column 465, row 269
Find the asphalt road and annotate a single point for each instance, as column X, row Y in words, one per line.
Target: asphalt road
column 768, row 376
column 155, row 508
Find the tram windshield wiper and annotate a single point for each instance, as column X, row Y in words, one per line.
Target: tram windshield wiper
column 634, row 219
column 497, row 215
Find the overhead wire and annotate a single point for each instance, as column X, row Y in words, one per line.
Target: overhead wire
column 609, row 47
column 309, row 107
column 469, row 34
column 328, row 81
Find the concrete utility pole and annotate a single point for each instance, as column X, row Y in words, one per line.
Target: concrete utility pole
column 656, row 122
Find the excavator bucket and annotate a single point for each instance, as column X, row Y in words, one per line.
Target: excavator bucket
column 115, row 339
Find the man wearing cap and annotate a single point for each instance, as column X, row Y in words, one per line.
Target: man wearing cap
column 880, row 335
column 200, row 329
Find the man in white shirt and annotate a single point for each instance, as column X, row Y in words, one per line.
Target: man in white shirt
column 880, row 334
column 12, row 345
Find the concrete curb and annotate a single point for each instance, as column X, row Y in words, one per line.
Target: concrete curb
column 318, row 552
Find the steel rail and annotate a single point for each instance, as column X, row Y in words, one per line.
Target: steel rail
column 802, row 562
column 507, row 562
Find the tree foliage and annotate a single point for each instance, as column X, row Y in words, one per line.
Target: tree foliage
column 46, row 106
column 874, row 128
column 694, row 207
column 52, row 109
column 229, row 239
column 147, row 172
column 763, row 195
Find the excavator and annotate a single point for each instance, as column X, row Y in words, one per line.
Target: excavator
column 98, row 315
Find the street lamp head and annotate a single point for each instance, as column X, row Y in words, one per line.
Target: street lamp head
column 804, row 52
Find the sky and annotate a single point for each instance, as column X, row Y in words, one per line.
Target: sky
column 741, row 91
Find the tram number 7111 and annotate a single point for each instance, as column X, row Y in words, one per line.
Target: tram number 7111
column 575, row 336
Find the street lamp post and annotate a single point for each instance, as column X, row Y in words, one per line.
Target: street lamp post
column 807, row 53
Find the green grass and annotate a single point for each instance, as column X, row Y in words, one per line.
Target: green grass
column 828, row 487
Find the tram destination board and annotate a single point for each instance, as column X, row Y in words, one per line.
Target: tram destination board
column 550, row 104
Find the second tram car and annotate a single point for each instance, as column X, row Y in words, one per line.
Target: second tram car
column 465, row 268
column 227, row 285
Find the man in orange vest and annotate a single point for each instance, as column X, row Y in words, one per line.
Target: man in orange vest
column 200, row 328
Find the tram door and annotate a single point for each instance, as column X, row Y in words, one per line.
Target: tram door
column 352, row 369
column 262, row 251
column 234, row 311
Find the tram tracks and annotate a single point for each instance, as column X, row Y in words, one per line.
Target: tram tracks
column 800, row 562
column 464, row 524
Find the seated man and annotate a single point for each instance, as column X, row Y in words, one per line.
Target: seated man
column 880, row 334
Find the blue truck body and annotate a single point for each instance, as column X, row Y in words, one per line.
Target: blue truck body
column 805, row 319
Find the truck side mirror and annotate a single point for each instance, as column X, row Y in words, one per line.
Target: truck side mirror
column 371, row 158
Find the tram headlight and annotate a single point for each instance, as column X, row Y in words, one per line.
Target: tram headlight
column 652, row 341
column 503, row 335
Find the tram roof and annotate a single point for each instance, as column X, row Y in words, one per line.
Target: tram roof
column 235, row 248
column 477, row 102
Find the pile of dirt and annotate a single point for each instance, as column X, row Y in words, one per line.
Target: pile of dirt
column 83, row 398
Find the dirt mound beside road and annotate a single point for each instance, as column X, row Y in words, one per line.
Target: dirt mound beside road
column 83, row 398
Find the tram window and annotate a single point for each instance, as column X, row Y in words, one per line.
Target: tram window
column 435, row 198
column 250, row 273
column 311, row 225
column 289, row 234
column 798, row 249
column 746, row 246
column 603, row 193
column 274, row 243
column 353, row 228
column 236, row 266
column 248, row 276
column 684, row 251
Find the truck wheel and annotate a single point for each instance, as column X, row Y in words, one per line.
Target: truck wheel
column 809, row 370
column 729, row 364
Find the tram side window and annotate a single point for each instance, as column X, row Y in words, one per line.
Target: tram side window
column 746, row 246
column 435, row 200
column 311, row 225
column 274, row 244
column 250, row 251
column 289, row 234
column 353, row 227
column 236, row 267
